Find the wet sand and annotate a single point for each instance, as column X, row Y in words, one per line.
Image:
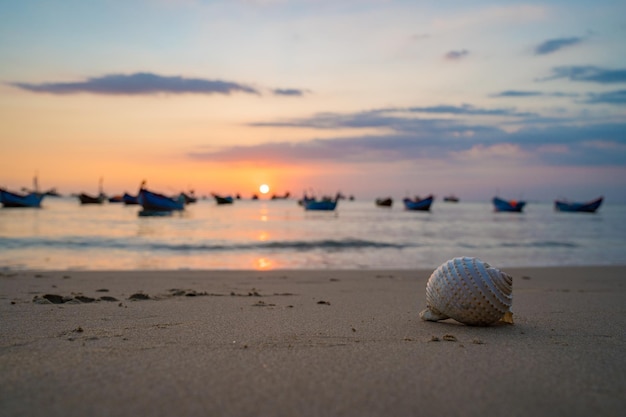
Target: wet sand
column 305, row 343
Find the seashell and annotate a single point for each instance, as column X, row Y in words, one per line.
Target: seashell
column 469, row 291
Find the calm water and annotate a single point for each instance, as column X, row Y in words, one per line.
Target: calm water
column 280, row 234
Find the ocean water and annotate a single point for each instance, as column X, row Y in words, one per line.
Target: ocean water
column 63, row 235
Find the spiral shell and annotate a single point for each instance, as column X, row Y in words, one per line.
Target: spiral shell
column 469, row 291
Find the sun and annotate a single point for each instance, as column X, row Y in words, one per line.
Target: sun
column 264, row 188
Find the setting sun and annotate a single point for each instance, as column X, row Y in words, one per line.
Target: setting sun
column 264, row 188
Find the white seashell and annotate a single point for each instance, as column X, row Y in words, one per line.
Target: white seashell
column 470, row 291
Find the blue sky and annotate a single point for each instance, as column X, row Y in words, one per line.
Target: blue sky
column 373, row 97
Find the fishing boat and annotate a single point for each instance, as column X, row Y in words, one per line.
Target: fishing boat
column 451, row 199
column 116, row 199
column 419, row 204
column 321, row 205
column 514, row 206
column 281, row 197
column 85, row 198
column 190, row 198
column 222, row 200
column 155, row 202
column 27, row 198
column 384, row 202
column 90, row 199
column 12, row 199
column 326, row 203
column 584, row 207
column 129, row 199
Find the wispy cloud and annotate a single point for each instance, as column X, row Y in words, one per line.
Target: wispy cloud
column 588, row 73
column 288, row 92
column 552, row 45
column 140, row 83
column 468, row 109
column 397, row 118
column 403, row 137
column 520, row 93
column 517, row 93
column 456, row 55
column 609, row 97
column 146, row 83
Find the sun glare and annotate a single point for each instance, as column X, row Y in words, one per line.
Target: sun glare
column 264, row 188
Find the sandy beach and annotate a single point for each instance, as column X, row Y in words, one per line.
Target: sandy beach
column 305, row 343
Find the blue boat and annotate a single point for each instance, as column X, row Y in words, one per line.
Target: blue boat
column 324, row 204
column 321, row 205
column 10, row 199
column 419, row 204
column 129, row 199
column 155, row 202
column 586, row 207
column 500, row 204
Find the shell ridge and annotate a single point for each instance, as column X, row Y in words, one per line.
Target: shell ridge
column 457, row 302
column 466, row 301
column 504, row 282
column 485, row 303
column 491, row 279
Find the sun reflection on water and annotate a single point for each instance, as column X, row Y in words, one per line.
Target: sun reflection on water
column 263, row 264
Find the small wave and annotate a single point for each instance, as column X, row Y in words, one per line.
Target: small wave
column 539, row 244
column 536, row 244
column 87, row 243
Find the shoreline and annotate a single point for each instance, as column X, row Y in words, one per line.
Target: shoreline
column 306, row 342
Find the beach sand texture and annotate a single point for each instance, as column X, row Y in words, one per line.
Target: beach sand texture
column 306, row 343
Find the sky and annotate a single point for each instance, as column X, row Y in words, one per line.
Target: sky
column 368, row 97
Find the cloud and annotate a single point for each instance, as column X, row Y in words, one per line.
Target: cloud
column 404, row 137
column 288, row 92
column 456, row 55
column 140, row 83
column 396, row 118
column 587, row 73
column 516, row 93
column 610, row 97
column 552, row 45
column 468, row 109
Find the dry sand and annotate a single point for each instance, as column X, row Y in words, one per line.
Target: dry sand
column 306, row 343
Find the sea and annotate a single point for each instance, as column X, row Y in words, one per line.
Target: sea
column 280, row 234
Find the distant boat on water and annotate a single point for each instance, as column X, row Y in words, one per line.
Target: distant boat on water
column 419, row 204
column 85, row 198
column 324, row 204
column 584, row 207
column 153, row 203
column 22, row 200
column 513, row 206
column 281, row 197
column 223, row 200
column 11, row 199
column 451, row 199
column 90, row 199
column 189, row 198
column 52, row 192
column 384, row 202
column 129, row 199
